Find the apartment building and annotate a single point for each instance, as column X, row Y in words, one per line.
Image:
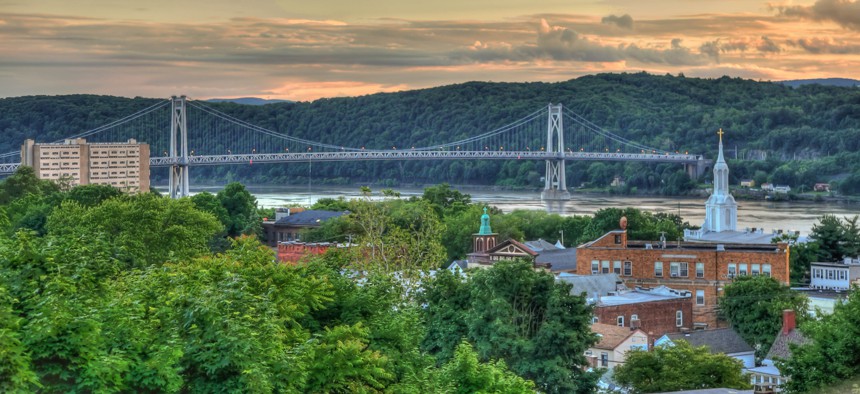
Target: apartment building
column 124, row 165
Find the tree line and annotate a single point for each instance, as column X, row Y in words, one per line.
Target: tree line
column 794, row 136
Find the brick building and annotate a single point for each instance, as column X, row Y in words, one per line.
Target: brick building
column 124, row 165
column 292, row 252
column 655, row 311
column 702, row 269
column 289, row 223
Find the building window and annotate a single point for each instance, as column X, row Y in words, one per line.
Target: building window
column 816, row 273
column 765, row 269
column 628, row 268
column 700, row 297
column 700, row 270
column 604, row 359
column 620, row 321
column 616, row 267
column 594, row 320
column 679, row 318
column 605, row 265
column 842, row 275
column 617, row 239
column 756, row 268
column 678, row 269
column 595, row 267
column 634, row 317
column 830, row 274
column 733, row 270
column 658, row 269
column 743, row 269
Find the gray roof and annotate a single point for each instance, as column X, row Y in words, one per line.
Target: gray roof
column 780, row 349
column 711, row 391
column 638, row 296
column 722, row 340
column 734, row 237
column 590, row 284
column 540, row 245
column 561, row 259
column 308, row 218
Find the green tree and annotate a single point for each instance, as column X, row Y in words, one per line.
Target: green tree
column 464, row 374
column 836, row 238
column 92, row 195
column 24, row 182
column 679, row 366
column 523, row 317
column 754, row 305
column 241, row 209
column 446, row 201
column 832, row 353
column 16, row 374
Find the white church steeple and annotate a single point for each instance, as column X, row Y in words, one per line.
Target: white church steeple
column 721, row 211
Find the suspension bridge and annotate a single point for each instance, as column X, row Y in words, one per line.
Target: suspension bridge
column 183, row 133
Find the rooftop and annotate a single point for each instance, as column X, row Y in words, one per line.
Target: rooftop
column 766, row 247
column 561, row 259
column 711, row 391
column 780, row 349
column 592, row 284
column 734, row 237
column 722, row 340
column 610, row 335
column 661, row 293
column 308, row 218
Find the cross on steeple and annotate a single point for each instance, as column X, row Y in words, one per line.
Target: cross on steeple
column 721, row 134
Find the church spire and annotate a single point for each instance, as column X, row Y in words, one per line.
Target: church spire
column 721, row 211
column 485, row 224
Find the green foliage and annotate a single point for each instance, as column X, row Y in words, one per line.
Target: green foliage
column 92, row 195
column 516, row 314
column 446, row 201
column 641, row 225
column 143, row 229
column 22, row 183
column 831, row 355
column 16, row 374
column 679, row 366
column 754, row 305
column 464, row 374
column 241, row 207
column 818, row 125
column 836, row 238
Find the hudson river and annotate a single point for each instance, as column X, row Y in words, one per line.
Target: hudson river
column 769, row 215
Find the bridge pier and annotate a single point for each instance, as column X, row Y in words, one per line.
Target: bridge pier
column 178, row 182
column 555, row 195
column 699, row 168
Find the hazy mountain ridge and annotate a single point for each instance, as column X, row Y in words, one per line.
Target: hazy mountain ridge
column 843, row 82
column 248, row 100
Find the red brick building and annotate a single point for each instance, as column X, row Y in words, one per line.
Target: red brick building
column 293, row 252
column 701, row 269
column 655, row 311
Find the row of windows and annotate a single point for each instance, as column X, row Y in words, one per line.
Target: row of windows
column 113, row 152
column 736, row 269
column 830, row 273
column 57, row 153
column 115, row 163
column 679, row 317
column 598, row 267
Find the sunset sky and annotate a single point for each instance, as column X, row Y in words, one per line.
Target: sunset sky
column 304, row 50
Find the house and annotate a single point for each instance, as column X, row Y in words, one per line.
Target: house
column 768, row 187
column 821, row 187
column 768, row 374
column 656, row 311
column 614, row 343
column 290, row 222
column 783, row 189
column 835, row 276
column 721, row 340
column 747, row 183
column 702, row 269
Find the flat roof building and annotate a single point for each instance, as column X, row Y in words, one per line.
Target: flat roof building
column 123, row 165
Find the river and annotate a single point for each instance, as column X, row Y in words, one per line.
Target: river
column 761, row 214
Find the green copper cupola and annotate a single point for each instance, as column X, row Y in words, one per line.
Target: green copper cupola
column 485, row 224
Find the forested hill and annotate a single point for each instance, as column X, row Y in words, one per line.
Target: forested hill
column 763, row 120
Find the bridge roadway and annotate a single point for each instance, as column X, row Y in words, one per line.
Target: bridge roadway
column 352, row 155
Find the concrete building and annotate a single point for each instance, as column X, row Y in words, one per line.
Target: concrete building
column 124, row 165
column 700, row 268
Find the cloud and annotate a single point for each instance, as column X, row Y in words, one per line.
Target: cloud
column 623, row 21
column 766, row 45
column 826, row 45
column 846, row 13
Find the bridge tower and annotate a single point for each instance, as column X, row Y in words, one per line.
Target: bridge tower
column 178, row 148
column 555, row 194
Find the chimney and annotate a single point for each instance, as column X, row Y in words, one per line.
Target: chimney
column 788, row 321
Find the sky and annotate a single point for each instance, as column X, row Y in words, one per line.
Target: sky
column 310, row 49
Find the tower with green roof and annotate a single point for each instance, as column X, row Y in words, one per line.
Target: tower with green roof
column 485, row 238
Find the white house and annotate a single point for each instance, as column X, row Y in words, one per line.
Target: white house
column 834, row 276
column 614, row 344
